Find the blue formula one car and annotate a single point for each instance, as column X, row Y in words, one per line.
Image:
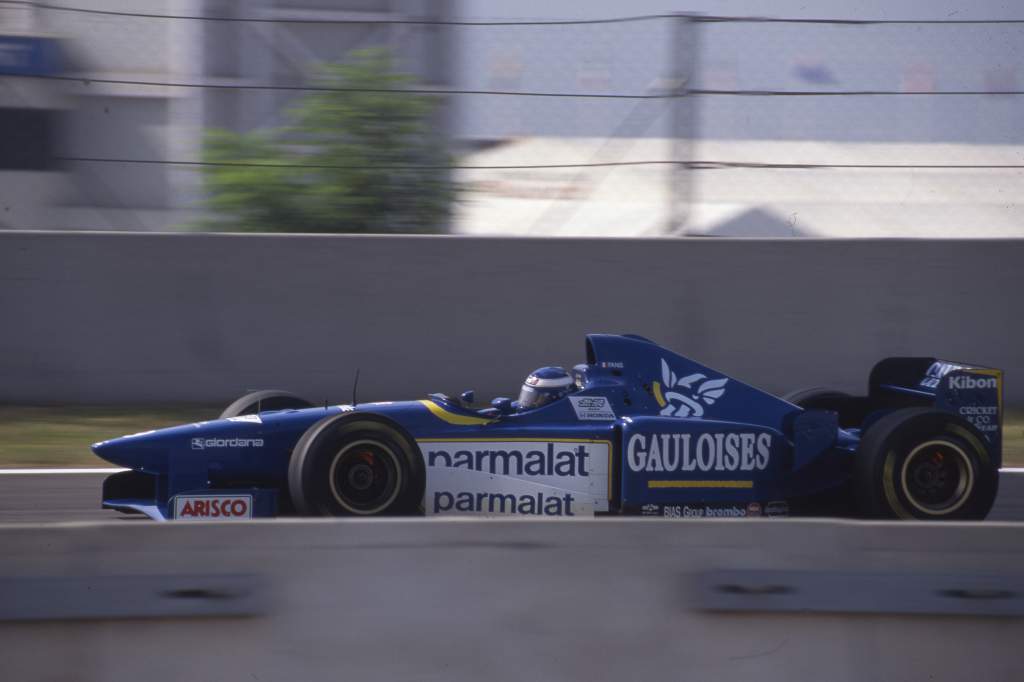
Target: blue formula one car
column 637, row 429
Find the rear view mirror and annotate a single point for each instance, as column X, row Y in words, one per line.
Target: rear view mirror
column 502, row 405
column 467, row 398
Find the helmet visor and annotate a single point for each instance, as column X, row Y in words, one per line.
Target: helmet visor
column 530, row 398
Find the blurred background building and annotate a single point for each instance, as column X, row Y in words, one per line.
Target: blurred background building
column 560, row 119
column 126, row 141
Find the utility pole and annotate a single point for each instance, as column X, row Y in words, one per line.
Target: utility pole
column 683, row 132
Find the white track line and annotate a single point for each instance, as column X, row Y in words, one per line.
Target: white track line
column 104, row 470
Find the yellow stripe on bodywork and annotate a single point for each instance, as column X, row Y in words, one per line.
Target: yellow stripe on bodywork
column 451, row 417
column 657, row 395
column 700, row 484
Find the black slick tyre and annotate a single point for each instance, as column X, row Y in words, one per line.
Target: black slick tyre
column 817, row 398
column 820, row 398
column 920, row 463
column 356, row 465
column 262, row 401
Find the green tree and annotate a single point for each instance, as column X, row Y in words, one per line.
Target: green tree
column 351, row 159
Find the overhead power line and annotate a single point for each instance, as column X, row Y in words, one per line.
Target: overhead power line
column 850, row 93
column 696, row 165
column 248, row 164
column 347, row 20
column 86, row 80
column 711, row 165
column 549, row 22
column 709, row 19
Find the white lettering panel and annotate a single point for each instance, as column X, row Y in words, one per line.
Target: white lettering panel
column 536, row 477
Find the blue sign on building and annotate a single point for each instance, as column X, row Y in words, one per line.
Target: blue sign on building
column 29, row 56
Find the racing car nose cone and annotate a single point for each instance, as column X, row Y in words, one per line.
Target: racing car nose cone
column 115, row 451
column 104, row 450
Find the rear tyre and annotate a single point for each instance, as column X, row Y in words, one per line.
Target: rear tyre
column 819, row 398
column 355, row 466
column 263, row 401
column 920, row 463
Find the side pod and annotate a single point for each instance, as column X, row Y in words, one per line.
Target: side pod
column 814, row 433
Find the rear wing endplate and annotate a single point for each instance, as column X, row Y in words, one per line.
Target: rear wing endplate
column 969, row 391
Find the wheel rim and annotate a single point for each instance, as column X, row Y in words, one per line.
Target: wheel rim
column 937, row 477
column 365, row 477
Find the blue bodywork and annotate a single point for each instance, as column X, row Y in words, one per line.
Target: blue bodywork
column 679, row 438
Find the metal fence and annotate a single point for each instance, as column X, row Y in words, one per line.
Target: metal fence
column 641, row 125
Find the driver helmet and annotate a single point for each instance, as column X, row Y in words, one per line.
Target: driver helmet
column 544, row 386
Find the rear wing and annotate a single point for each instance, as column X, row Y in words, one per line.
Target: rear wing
column 970, row 391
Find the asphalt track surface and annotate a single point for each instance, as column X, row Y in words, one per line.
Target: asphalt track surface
column 52, row 497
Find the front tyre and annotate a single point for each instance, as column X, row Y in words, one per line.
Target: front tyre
column 355, row 466
column 264, row 401
column 919, row 463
